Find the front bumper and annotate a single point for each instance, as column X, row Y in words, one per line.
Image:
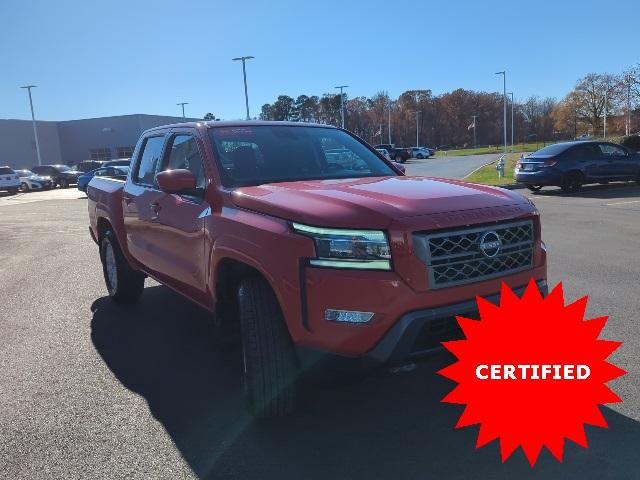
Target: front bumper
column 421, row 331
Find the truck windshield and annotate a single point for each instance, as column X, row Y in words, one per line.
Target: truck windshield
column 254, row 155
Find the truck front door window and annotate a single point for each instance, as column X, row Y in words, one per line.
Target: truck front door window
column 185, row 154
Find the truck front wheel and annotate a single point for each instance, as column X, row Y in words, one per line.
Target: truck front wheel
column 269, row 358
column 124, row 284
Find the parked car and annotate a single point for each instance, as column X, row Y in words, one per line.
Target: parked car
column 251, row 221
column 384, row 152
column 61, row 175
column 420, row 153
column 571, row 165
column 32, row 181
column 432, row 151
column 398, row 154
column 121, row 162
column 88, row 165
column 9, row 180
column 115, row 172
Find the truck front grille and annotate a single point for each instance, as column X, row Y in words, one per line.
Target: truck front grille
column 474, row 254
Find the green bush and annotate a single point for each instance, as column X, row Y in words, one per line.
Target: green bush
column 632, row 142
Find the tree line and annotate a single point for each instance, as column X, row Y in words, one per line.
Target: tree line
column 448, row 119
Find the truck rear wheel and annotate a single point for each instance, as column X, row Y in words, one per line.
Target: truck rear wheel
column 269, row 358
column 124, row 284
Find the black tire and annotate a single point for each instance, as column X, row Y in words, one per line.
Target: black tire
column 268, row 354
column 13, row 191
column 64, row 183
column 572, row 182
column 126, row 285
column 398, row 158
column 420, row 156
column 533, row 188
column 24, row 187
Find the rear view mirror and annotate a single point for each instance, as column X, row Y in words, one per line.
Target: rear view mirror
column 399, row 166
column 176, row 181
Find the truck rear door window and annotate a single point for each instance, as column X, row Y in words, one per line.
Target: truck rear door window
column 149, row 161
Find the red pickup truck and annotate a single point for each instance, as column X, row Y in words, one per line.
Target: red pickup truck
column 259, row 223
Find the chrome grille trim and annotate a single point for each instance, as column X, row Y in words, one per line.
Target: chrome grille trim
column 454, row 257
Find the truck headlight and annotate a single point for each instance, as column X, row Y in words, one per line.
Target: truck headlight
column 341, row 248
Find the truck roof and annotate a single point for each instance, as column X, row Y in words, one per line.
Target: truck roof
column 240, row 123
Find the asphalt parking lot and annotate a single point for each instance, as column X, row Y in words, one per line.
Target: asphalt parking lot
column 89, row 389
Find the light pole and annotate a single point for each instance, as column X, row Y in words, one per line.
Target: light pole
column 182, row 104
column 511, row 93
column 504, row 116
column 33, row 119
column 474, row 131
column 389, row 123
column 244, row 75
column 606, row 93
column 417, row 112
column 341, row 87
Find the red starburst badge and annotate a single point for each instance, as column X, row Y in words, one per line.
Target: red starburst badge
column 531, row 372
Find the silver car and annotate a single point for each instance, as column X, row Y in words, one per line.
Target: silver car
column 9, row 180
column 419, row 152
column 33, row 181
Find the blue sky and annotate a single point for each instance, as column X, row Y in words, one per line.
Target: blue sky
column 115, row 57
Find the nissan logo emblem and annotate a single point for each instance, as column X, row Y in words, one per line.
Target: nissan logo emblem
column 490, row 244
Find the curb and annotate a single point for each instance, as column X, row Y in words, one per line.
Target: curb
column 479, row 168
column 508, row 186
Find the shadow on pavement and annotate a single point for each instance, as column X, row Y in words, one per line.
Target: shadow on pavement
column 609, row 191
column 385, row 426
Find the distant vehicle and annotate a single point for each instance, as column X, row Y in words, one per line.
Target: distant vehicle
column 9, row 180
column 399, row 154
column 32, row 181
column 432, row 151
column 88, row 165
column 420, row 153
column 571, row 165
column 121, row 162
column 113, row 172
column 61, row 175
column 384, row 152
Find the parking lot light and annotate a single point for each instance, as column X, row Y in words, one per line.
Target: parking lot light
column 33, row 119
column 341, row 87
column 511, row 93
column 504, row 102
column 182, row 104
column 244, row 75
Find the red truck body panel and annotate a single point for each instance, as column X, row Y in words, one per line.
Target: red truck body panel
column 182, row 242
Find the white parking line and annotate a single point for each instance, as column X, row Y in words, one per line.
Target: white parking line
column 622, row 203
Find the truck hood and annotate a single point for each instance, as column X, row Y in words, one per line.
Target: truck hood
column 372, row 202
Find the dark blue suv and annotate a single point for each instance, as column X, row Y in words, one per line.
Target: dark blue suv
column 573, row 164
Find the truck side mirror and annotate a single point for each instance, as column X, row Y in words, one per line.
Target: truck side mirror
column 176, row 181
